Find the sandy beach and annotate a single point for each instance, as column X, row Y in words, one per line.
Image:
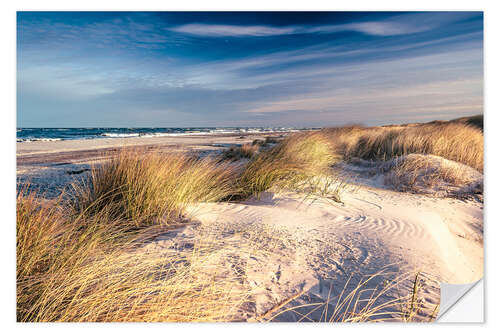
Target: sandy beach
column 289, row 250
column 39, row 152
column 51, row 165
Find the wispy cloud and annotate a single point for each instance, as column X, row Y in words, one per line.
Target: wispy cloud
column 373, row 28
column 218, row 30
column 398, row 25
column 369, row 28
column 412, row 97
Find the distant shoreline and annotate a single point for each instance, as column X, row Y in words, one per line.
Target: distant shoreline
column 26, row 134
column 80, row 150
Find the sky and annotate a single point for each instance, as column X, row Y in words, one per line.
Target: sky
column 298, row 69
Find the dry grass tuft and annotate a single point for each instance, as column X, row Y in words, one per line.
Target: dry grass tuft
column 147, row 188
column 342, row 139
column 74, row 269
column 37, row 224
column 287, row 165
column 430, row 174
column 250, row 150
column 366, row 302
column 454, row 141
column 247, row 150
column 151, row 188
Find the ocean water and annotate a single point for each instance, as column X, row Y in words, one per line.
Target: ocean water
column 57, row 134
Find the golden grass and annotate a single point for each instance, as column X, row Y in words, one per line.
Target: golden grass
column 250, row 150
column 79, row 270
column 78, row 261
column 288, row 165
column 85, row 261
column 420, row 173
column 75, row 269
column 37, row 225
column 151, row 188
column 454, row 141
column 247, row 150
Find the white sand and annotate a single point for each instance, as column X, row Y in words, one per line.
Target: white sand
column 280, row 245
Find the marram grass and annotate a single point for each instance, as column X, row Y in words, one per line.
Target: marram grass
column 75, row 269
column 454, row 141
column 151, row 188
column 288, row 165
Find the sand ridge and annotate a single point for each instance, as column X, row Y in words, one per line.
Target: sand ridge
column 281, row 246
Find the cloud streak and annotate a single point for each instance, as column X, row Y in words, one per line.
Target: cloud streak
column 219, row 30
column 399, row 25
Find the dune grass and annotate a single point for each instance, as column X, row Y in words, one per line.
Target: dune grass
column 250, row 150
column 77, row 260
column 428, row 173
column 77, row 270
column 81, row 260
column 454, row 141
column 36, row 226
column 84, row 273
column 83, row 269
column 247, row 150
column 295, row 160
column 152, row 188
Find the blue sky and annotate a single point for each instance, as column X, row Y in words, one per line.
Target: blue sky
column 187, row 69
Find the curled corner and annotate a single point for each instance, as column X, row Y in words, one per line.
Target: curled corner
column 452, row 296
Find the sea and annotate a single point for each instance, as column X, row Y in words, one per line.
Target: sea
column 58, row 134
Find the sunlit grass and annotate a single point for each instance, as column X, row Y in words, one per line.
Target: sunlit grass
column 420, row 173
column 247, row 150
column 152, row 188
column 454, row 141
column 288, row 165
column 84, row 269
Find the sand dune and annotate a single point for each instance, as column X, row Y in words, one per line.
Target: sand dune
column 281, row 245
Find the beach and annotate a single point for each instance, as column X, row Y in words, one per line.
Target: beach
column 54, row 163
column 41, row 151
column 290, row 250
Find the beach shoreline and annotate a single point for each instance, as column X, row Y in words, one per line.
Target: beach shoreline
column 81, row 150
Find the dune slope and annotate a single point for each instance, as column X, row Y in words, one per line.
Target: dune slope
column 281, row 246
